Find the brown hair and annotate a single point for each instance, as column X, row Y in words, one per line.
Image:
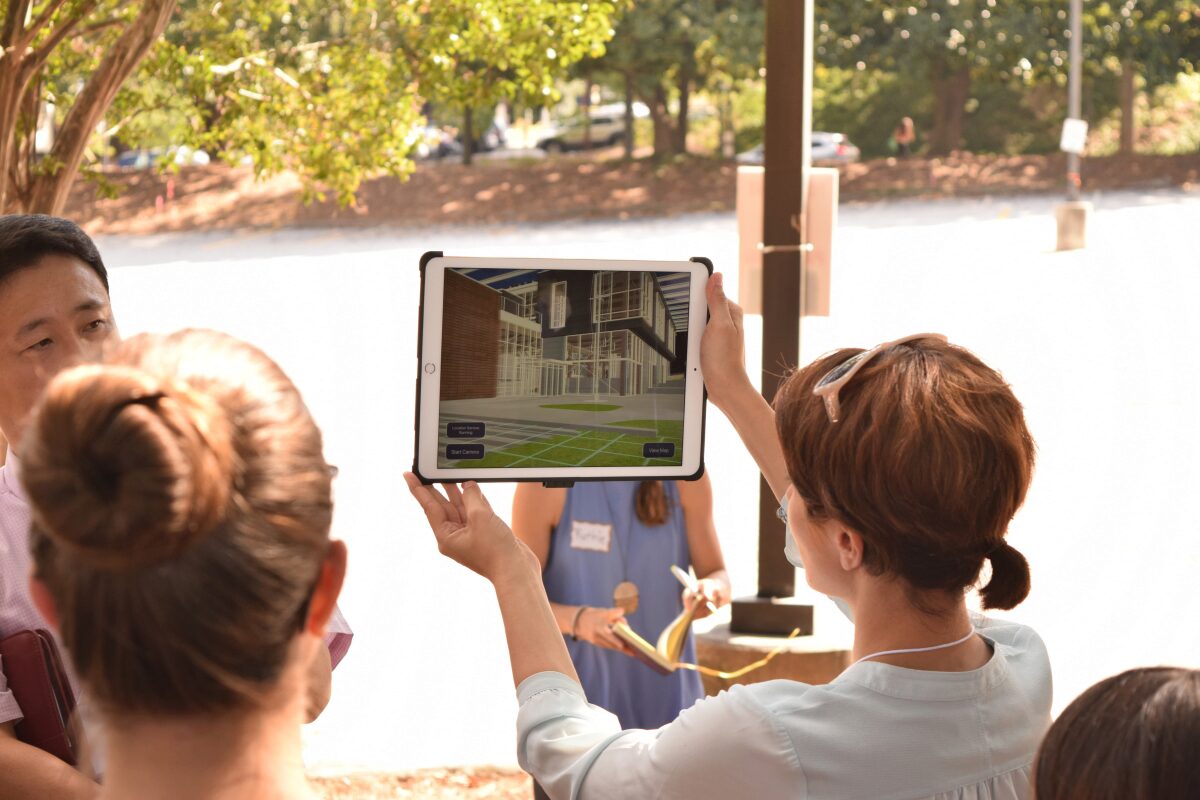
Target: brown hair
column 928, row 463
column 181, row 509
column 1134, row 736
column 651, row 503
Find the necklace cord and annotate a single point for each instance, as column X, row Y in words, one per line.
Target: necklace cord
column 901, row 651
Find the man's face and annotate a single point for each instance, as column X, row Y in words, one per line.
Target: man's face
column 53, row 315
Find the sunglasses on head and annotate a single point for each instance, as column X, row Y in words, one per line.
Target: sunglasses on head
column 830, row 385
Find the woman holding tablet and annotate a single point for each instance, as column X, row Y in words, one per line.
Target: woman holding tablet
column 606, row 550
column 899, row 469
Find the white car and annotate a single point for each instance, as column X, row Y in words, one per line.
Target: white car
column 606, row 131
column 827, row 148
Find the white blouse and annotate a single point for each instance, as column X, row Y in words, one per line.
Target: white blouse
column 875, row 732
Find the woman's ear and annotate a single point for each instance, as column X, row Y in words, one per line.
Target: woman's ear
column 44, row 602
column 329, row 586
column 849, row 548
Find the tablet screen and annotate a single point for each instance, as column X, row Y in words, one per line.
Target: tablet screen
column 545, row 368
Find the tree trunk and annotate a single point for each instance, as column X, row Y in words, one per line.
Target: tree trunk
column 50, row 190
column 726, row 145
column 11, row 91
column 660, row 115
column 468, row 138
column 628, row 116
column 1128, row 95
column 681, row 125
column 587, row 114
column 950, row 100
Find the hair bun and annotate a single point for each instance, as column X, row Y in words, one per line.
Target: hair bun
column 126, row 470
column 1009, row 584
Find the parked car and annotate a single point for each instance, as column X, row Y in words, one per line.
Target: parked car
column 606, row 131
column 144, row 158
column 435, row 142
column 828, row 148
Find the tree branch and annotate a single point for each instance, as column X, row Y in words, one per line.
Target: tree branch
column 21, row 190
column 50, row 190
column 101, row 25
column 13, row 33
column 36, row 26
column 38, row 58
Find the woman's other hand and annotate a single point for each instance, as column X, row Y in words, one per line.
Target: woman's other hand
column 708, row 590
column 470, row 532
column 595, row 627
column 723, row 348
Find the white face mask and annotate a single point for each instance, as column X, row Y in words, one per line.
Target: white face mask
column 792, row 553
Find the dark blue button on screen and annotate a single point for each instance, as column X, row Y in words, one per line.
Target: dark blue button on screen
column 465, row 430
column 658, row 450
column 457, row 452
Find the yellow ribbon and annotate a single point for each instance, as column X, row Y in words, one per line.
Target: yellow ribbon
column 729, row 676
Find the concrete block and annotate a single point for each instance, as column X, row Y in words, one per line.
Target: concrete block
column 1072, row 220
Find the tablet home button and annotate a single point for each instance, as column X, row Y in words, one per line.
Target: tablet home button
column 430, row 368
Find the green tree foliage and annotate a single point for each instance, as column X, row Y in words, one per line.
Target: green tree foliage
column 1154, row 39
column 310, row 86
column 663, row 50
column 473, row 53
column 75, row 55
column 330, row 89
column 945, row 44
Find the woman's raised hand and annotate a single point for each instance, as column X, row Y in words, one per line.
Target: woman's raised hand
column 723, row 348
column 469, row 531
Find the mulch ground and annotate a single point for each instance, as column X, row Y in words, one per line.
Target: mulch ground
column 571, row 187
column 476, row 783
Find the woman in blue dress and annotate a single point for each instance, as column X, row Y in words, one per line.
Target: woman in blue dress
column 606, row 550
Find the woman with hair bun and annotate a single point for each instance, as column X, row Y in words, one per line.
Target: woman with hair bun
column 182, row 507
column 898, row 470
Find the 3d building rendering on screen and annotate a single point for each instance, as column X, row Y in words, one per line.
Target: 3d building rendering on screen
column 524, row 333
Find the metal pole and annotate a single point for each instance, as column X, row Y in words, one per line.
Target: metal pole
column 787, row 152
column 1075, row 92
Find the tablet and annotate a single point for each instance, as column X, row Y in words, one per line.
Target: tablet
column 559, row 370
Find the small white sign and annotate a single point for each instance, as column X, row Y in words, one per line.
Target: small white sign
column 594, row 536
column 1074, row 135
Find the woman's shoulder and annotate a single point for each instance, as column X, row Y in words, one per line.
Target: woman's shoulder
column 1015, row 636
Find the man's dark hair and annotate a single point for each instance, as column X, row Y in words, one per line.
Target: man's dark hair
column 25, row 239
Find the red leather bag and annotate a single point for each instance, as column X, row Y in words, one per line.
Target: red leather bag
column 36, row 677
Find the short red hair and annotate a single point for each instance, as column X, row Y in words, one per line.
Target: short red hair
column 929, row 462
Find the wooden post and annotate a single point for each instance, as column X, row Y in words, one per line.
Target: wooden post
column 787, row 153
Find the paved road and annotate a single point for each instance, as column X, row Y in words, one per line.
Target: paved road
column 1097, row 343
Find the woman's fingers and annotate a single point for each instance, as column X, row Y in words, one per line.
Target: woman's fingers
column 456, row 501
column 432, row 503
column 718, row 304
column 432, row 500
column 608, row 639
column 474, row 502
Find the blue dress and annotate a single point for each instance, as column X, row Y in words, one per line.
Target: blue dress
column 579, row 571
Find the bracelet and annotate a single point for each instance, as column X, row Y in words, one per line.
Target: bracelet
column 575, row 622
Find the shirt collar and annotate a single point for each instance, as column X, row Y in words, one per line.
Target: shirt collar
column 10, row 476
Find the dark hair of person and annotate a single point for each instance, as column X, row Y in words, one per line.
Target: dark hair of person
column 1134, row 736
column 651, row 503
column 181, row 508
column 25, row 239
column 929, row 462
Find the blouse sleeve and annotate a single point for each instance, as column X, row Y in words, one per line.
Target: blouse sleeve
column 723, row 746
column 10, row 710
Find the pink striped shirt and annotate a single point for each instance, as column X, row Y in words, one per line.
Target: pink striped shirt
column 17, row 612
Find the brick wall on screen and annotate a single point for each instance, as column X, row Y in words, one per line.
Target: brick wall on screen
column 470, row 339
